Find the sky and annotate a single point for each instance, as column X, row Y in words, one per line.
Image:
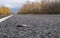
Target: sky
column 15, row 4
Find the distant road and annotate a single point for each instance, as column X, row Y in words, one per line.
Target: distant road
column 37, row 26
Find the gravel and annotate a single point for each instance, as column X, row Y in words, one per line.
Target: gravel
column 37, row 26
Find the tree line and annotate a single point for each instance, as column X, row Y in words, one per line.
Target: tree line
column 5, row 11
column 45, row 7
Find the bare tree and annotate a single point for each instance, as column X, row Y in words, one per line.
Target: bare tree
column 50, row 6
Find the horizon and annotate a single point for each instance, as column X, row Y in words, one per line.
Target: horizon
column 15, row 5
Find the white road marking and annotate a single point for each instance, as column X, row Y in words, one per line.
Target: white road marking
column 3, row 19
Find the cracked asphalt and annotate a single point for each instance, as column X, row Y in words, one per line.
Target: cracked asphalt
column 37, row 26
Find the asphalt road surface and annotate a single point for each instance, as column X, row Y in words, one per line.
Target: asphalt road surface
column 37, row 26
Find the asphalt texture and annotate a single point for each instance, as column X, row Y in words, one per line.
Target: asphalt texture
column 37, row 26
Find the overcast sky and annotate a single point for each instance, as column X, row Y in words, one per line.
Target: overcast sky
column 14, row 3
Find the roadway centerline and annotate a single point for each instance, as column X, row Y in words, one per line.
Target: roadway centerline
column 3, row 19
